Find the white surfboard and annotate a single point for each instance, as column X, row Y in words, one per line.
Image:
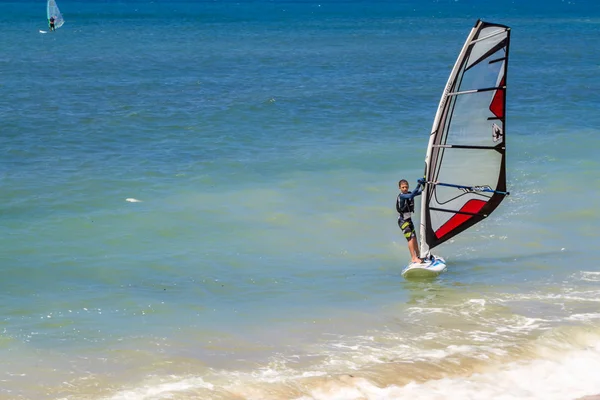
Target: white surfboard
column 428, row 269
column 41, row 31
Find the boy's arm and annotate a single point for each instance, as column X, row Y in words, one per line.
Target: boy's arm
column 418, row 190
column 412, row 194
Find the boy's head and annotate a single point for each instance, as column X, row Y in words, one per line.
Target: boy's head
column 403, row 185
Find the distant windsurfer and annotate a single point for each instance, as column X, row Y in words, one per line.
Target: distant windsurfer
column 51, row 23
column 405, row 205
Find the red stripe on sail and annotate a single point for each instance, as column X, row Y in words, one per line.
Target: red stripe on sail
column 497, row 104
column 471, row 206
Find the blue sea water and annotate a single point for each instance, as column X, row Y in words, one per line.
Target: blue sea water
column 197, row 202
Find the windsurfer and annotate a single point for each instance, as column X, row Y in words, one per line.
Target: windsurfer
column 405, row 206
column 51, row 23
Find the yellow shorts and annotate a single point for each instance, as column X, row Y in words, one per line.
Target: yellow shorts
column 407, row 228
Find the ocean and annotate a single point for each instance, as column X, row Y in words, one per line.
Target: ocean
column 198, row 203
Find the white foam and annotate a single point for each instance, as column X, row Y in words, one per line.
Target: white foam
column 428, row 310
column 521, row 325
column 590, row 276
column 568, row 295
column 561, row 375
column 151, row 390
column 132, row 200
column 585, row 317
column 564, row 366
column 480, row 302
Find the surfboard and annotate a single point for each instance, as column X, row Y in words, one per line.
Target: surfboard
column 465, row 160
column 428, row 269
column 41, row 31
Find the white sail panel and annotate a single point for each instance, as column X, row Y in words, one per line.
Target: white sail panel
column 488, row 38
column 460, row 163
column 470, row 123
column 482, row 75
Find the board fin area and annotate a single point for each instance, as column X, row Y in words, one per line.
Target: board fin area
column 428, row 269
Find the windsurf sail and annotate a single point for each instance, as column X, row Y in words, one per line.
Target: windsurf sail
column 53, row 11
column 465, row 163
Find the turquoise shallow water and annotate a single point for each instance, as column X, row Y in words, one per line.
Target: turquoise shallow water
column 264, row 142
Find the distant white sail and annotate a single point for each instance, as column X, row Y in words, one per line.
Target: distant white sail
column 465, row 164
column 53, row 11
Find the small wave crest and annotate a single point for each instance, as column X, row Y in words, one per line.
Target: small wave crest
column 590, row 276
